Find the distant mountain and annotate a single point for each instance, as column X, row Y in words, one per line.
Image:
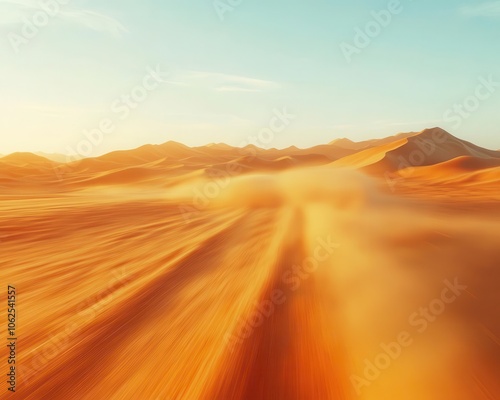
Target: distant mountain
column 148, row 153
column 366, row 144
column 25, row 159
column 433, row 152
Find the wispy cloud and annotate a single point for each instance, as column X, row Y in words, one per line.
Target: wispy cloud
column 224, row 82
column 488, row 9
column 94, row 21
column 14, row 12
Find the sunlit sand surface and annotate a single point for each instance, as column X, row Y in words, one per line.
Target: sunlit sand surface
column 140, row 274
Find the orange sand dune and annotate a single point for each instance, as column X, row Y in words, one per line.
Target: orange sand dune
column 457, row 168
column 429, row 147
column 330, row 151
column 253, row 163
column 144, row 276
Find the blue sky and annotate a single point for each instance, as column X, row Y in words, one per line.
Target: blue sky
column 228, row 70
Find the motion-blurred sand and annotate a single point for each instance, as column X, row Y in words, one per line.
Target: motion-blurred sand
column 136, row 271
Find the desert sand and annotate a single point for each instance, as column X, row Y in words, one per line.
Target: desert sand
column 346, row 271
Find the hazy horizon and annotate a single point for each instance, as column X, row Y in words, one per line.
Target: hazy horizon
column 197, row 75
column 39, row 152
